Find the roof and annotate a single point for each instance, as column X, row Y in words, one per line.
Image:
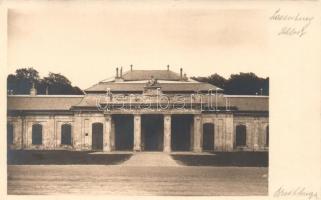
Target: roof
column 241, row 103
column 249, row 102
column 65, row 102
column 92, row 100
column 89, row 100
column 136, row 80
column 165, row 87
column 42, row 102
column 135, row 75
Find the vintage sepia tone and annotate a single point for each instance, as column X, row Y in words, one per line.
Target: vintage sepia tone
column 143, row 102
column 155, row 118
column 140, row 110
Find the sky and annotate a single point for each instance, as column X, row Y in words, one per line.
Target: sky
column 86, row 41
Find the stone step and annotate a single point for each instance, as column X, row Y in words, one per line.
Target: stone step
column 151, row 159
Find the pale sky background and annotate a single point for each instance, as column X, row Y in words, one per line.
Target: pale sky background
column 87, row 41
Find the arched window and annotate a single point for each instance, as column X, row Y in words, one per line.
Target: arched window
column 37, row 134
column 66, row 134
column 267, row 136
column 240, row 135
column 9, row 134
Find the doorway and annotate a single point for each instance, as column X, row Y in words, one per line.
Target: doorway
column 97, row 136
column 208, row 137
column 124, row 132
column 181, row 132
column 152, row 129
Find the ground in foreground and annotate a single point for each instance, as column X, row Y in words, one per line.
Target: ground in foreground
column 58, row 157
column 131, row 180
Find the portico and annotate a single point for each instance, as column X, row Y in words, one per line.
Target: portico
column 153, row 132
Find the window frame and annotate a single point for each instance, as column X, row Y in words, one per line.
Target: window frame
column 69, row 136
column 11, row 134
column 33, row 137
column 242, row 143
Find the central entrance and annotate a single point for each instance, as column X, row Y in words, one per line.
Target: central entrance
column 124, row 134
column 152, row 130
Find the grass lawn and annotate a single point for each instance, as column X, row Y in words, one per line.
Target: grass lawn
column 60, row 157
column 244, row 159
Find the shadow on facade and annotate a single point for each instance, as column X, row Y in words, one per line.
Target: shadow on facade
column 152, row 130
column 124, row 132
column 182, row 127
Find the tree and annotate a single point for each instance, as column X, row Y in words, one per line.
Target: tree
column 239, row 84
column 22, row 80
column 11, row 83
column 57, row 84
column 27, row 73
column 247, row 84
column 213, row 79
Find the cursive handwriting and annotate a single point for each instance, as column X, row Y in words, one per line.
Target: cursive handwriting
column 292, row 25
column 285, row 17
column 293, row 30
column 298, row 191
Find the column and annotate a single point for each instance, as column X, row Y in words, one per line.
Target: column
column 49, row 133
column 197, row 134
column 23, row 133
column 167, row 133
column 112, row 135
column 255, row 135
column 77, row 132
column 219, row 135
column 229, row 132
column 18, row 134
column 137, row 133
column 107, row 134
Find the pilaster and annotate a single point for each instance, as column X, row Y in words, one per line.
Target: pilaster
column 167, row 133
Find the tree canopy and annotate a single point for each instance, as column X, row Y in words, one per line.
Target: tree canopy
column 22, row 80
column 239, row 84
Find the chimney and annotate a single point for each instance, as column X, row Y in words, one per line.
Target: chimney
column 181, row 73
column 33, row 90
column 121, row 72
column 131, row 67
column 167, row 67
column 116, row 72
column 185, row 77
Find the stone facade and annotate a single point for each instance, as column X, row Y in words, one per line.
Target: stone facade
column 84, row 117
column 81, row 131
column 256, row 129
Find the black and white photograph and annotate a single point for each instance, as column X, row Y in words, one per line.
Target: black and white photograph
column 161, row 98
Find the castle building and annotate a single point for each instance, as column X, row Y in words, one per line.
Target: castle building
column 140, row 110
